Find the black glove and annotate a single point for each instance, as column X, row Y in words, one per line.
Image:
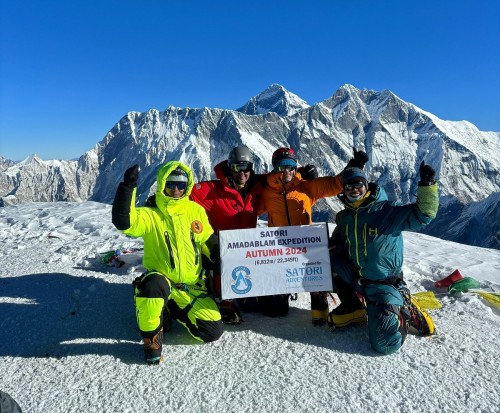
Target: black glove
column 131, row 176
column 215, row 257
column 427, row 175
column 210, row 265
column 359, row 160
column 309, row 172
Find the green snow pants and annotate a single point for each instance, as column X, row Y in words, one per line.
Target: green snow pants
column 157, row 298
column 386, row 330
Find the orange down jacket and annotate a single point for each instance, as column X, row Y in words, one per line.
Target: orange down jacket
column 291, row 203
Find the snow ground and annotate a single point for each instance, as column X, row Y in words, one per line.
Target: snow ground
column 69, row 342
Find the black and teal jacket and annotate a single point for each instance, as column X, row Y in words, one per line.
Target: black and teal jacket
column 371, row 234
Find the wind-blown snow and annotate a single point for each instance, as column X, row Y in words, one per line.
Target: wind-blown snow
column 69, row 342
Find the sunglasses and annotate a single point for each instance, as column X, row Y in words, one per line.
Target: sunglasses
column 288, row 168
column 357, row 185
column 181, row 186
column 241, row 166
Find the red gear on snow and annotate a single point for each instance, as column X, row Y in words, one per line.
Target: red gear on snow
column 450, row 279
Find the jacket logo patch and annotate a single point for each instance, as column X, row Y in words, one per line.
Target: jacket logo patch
column 372, row 232
column 196, row 227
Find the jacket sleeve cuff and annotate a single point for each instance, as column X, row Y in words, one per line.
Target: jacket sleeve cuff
column 428, row 200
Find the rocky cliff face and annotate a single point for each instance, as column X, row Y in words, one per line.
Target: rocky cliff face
column 396, row 135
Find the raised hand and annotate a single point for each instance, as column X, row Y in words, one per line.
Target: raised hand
column 131, row 176
column 427, row 175
column 359, row 159
column 309, row 172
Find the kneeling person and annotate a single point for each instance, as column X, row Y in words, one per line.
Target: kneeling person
column 369, row 258
column 176, row 233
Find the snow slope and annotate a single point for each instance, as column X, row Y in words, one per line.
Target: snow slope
column 69, row 341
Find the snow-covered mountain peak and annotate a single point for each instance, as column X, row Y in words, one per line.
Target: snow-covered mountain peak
column 30, row 159
column 34, row 161
column 274, row 99
column 348, row 88
column 5, row 163
column 396, row 135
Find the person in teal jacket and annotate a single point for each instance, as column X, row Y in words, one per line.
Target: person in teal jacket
column 368, row 258
column 176, row 233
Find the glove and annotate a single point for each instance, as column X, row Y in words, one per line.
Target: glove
column 427, row 175
column 131, row 176
column 120, row 213
column 359, row 160
column 210, row 265
column 309, row 172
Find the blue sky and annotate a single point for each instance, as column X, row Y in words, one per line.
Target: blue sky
column 70, row 70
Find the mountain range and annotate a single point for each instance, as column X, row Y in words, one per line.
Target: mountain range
column 397, row 136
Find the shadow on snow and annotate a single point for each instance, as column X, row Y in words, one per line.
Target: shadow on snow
column 58, row 315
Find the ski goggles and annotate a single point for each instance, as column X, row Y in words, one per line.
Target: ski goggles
column 181, row 186
column 357, row 184
column 283, row 168
column 241, row 167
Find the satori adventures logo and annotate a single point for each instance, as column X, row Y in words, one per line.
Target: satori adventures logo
column 241, row 280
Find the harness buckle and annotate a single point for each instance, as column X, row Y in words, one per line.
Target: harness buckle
column 182, row 287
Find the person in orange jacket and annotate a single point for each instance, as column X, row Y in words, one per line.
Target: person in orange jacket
column 288, row 200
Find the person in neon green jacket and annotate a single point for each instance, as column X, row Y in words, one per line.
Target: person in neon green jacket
column 176, row 233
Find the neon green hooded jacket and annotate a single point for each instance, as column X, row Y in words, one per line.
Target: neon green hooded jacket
column 174, row 232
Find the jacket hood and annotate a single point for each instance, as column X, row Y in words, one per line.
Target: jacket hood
column 164, row 172
column 221, row 170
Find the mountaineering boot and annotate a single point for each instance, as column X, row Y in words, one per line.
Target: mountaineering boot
column 152, row 348
column 351, row 309
column 420, row 322
column 319, row 308
column 229, row 312
column 338, row 318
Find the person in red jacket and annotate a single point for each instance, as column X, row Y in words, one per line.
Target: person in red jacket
column 231, row 202
column 231, row 199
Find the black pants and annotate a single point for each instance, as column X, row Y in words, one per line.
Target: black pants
column 274, row 305
column 153, row 289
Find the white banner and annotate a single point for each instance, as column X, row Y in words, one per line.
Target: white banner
column 277, row 260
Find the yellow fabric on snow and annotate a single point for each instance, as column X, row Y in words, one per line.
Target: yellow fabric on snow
column 427, row 300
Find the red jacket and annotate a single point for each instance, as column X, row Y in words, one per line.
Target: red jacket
column 226, row 209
